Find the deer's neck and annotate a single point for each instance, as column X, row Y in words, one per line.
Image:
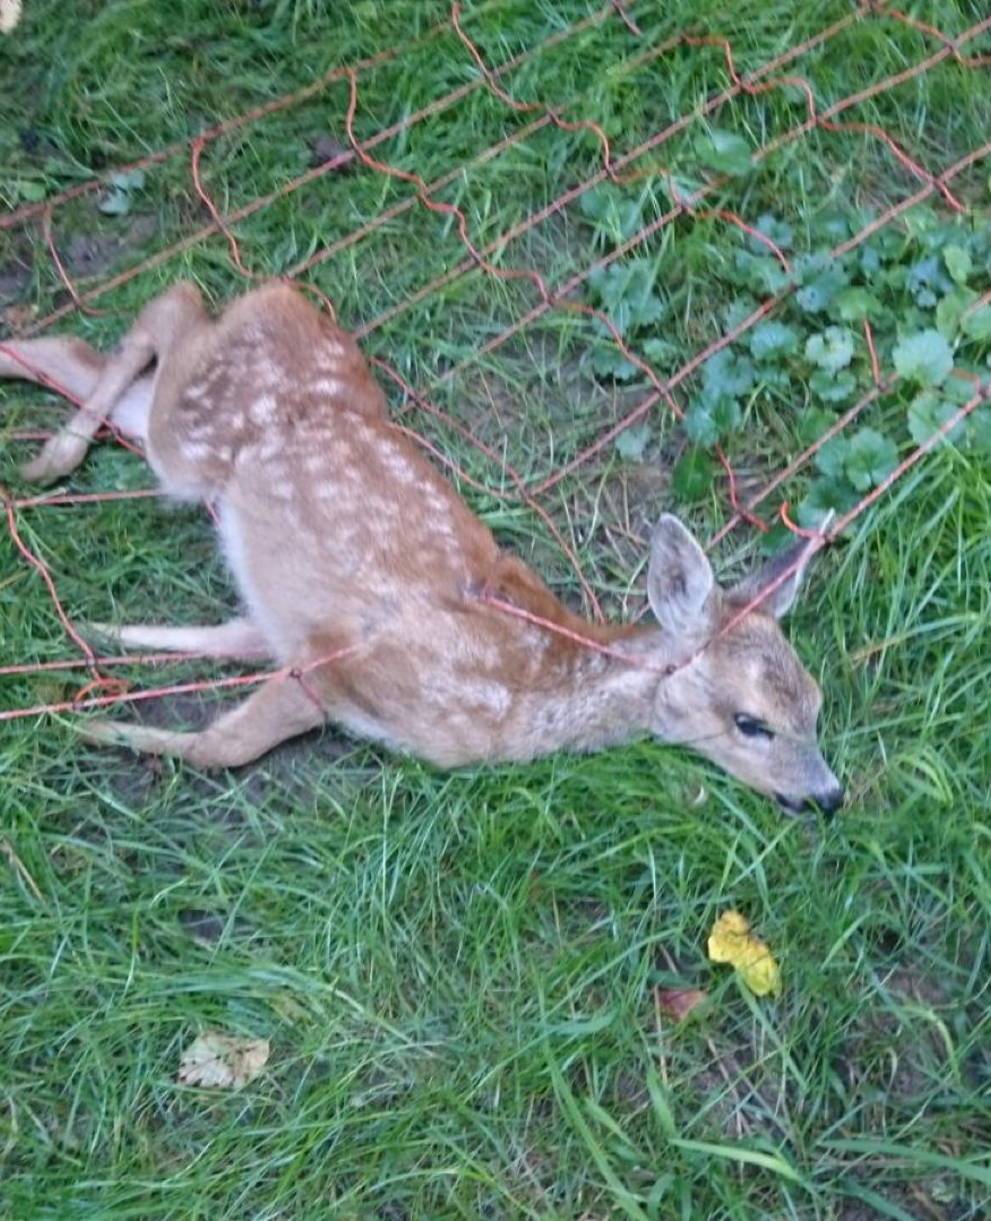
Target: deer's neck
column 565, row 695
column 591, row 699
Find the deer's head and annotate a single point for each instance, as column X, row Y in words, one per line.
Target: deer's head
column 738, row 694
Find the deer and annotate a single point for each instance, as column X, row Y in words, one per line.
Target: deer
column 387, row 604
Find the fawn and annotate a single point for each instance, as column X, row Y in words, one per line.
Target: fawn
column 366, row 577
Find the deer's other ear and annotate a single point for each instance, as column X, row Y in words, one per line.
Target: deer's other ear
column 680, row 583
column 779, row 601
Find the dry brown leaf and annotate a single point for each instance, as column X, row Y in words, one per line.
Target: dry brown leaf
column 677, row 1003
column 326, row 148
column 220, row 1061
column 10, row 14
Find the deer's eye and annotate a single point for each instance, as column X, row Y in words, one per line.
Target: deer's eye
column 750, row 727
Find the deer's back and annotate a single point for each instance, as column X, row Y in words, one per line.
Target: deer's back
column 329, row 514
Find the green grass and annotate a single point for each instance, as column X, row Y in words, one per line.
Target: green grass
column 457, row 973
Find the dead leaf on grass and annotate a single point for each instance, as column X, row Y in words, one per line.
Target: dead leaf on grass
column 220, row 1061
column 326, row 148
column 10, row 15
column 678, row 1003
column 731, row 941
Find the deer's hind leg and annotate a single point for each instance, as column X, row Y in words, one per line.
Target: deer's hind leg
column 64, row 364
column 280, row 709
column 237, row 638
column 156, row 329
column 71, row 367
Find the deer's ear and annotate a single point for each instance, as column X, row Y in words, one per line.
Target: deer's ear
column 780, row 600
column 680, row 582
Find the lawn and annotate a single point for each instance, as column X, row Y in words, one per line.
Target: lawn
column 462, row 976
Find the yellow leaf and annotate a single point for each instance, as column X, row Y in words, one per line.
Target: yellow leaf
column 220, row 1061
column 732, row 941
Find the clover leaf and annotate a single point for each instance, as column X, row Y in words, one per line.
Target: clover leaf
column 726, row 375
column 658, row 351
column 923, row 357
column 831, row 457
column 632, row 442
column 738, row 310
column 927, row 413
column 958, row 262
column 626, row 291
column 777, row 231
column 609, row 361
column 832, row 350
column 832, row 388
column 871, row 458
column 818, row 294
column 772, row 340
column 977, row 324
column 951, row 309
column 828, row 494
column 762, row 274
column 852, row 304
column 708, row 420
column 925, row 279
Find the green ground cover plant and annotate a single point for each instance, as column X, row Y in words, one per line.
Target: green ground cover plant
column 460, row 976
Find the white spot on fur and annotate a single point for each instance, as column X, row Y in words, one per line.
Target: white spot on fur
column 262, row 409
column 196, row 451
column 264, row 451
column 267, row 372
column 492, row 696
column 328, row 385
column 282, row 489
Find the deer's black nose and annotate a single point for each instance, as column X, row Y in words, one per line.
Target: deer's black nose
column 830, row 801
